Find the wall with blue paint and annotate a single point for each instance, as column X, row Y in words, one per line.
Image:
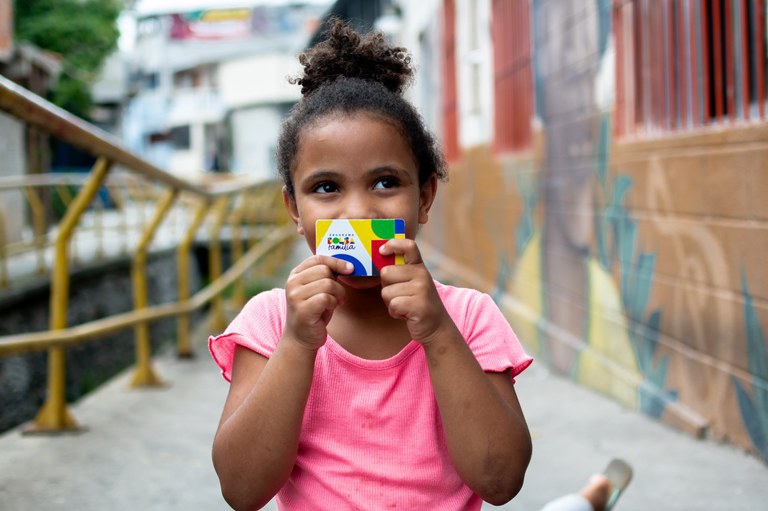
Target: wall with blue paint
column 636, row 266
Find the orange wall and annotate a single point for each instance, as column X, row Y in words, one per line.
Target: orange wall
column 636, row 267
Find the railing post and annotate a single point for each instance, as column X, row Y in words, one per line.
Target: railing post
column 219, row 321
column 238, row 296
column 38, row 220
column 183, row 346
column 54, row 415
column 66, row 199
column 4, row 281
column 144, row 375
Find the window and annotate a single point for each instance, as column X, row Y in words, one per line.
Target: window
column 450, row 96
column 513, row 75
column 151, row 81
column 682, row 64
column 180, row 137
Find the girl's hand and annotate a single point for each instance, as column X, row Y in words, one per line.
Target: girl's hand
column 409, row 292
column 312, row 294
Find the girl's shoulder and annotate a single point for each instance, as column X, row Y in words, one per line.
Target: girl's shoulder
column 271, row 298
column 258, row 326
column 265, row 307
column 456, row 294
column 462, row 303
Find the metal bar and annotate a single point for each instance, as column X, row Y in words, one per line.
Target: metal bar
column 37, row 112
column 183, row 345
column 745, row 75
column 717, row 51
column 618, row 24
column 59, row 339
column 729, row 62
column 4, row 280
column 38, row 222
column 144, row 375
column 214, row 261
column 671, row 90
column 66, row 199
column 238, row 296
column 694, row 75
column 630, row 57
column 682, row 90
column 654, row 48
column 122, row 227
column 54, row 415
column 707, row 92
column 760, row 55
column 641, row 51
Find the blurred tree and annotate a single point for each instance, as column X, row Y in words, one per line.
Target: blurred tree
column 83, row 32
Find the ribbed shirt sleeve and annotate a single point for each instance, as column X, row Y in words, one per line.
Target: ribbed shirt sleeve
column 486, row 330
column 258, row 327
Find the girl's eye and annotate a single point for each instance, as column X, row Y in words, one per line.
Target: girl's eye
column 325, row 188
column 384, row 183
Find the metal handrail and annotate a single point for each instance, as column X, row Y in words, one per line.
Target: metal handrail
column 36, row 111
column 229, row 202
column 30, row 342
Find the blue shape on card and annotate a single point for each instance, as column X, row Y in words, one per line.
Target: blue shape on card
column 359, row 268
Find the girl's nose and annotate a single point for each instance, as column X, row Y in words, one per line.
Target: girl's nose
column 358, row 206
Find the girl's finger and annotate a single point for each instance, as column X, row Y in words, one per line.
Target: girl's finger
column 317, row 287
column 402, row 246
column 394, row 274
column 311, row 274
column 336, row 265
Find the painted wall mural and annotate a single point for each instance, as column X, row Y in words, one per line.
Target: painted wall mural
column 630, row 266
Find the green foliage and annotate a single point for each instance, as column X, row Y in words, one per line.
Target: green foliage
column 616, row 238
column 754, row 409
column 83, row 32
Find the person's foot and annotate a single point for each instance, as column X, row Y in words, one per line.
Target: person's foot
column 597, row 491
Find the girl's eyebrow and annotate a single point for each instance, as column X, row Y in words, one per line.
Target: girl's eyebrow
column 388, row 169
column 320, row 175
column 331, row 175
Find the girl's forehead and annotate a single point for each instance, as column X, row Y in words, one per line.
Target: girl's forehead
column 372, row 130
column 359, row 139
column 355, row 117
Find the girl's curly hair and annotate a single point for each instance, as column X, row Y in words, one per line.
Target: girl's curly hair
column 349, row 73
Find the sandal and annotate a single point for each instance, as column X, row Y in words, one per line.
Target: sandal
column 619, row 473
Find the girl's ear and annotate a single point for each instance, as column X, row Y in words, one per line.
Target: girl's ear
column 293, row 209
column 427, row 198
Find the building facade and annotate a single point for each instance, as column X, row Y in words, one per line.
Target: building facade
column 609, row 169
column 25, row 150
column 208, row 86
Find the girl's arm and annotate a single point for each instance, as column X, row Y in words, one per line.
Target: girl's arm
column 258, row 435
column 256, row 443
column 487, row 436
column 486, row 433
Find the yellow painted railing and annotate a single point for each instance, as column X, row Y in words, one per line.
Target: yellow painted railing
column 246, row 211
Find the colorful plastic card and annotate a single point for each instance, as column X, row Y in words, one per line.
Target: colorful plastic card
column 358, row 242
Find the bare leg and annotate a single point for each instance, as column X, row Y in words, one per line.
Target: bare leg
column 597, row 491
column 600, row 493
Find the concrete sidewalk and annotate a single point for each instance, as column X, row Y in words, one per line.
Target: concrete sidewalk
column 150, row 450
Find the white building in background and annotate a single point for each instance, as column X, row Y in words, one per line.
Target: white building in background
column 257, row 105
column 208, row 85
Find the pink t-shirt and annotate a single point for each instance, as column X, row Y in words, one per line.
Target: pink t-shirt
column 372, row 437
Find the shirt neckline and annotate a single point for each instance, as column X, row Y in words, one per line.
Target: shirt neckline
column 365, row 363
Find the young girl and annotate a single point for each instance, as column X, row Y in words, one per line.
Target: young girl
column 367, row 393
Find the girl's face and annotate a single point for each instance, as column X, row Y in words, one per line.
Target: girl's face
column 356, row 166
